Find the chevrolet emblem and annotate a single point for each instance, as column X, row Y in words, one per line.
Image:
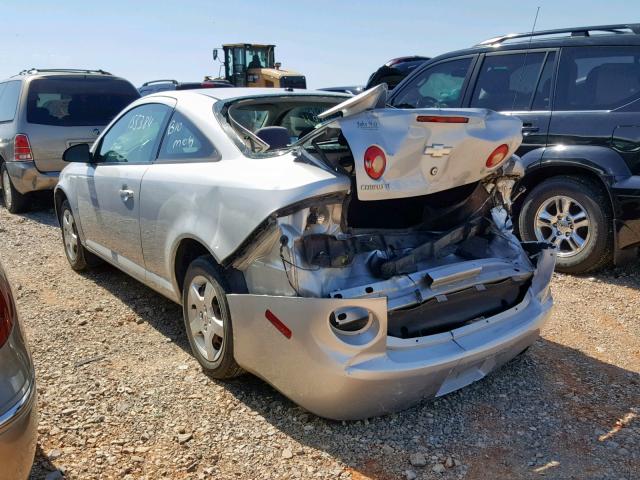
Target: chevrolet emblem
column 437, row 150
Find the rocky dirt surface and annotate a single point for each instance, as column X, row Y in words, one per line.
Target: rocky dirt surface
column 120, row 396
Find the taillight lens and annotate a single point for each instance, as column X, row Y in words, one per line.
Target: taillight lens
column 6, row 317
column 498, row 156
column 375, row 162
column 22, row 148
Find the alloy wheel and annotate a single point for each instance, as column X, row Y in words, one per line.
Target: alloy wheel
column 563, row 221
column 205, row 318
column 70, row 235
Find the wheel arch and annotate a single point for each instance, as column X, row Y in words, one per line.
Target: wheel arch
column 186, row 250
column 59, row 196
column 552, row 169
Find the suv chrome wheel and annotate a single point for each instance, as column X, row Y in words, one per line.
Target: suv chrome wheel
column 205, row 318
column 563, row 221
column 6, row 189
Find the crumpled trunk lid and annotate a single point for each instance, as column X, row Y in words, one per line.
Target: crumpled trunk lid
column 425, row 154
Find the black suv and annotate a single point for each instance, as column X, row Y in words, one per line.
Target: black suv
column 577, row 92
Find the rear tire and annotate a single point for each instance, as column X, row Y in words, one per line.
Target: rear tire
column 14, row 201
column 207, row 319
column 574, row 213
column 78, row 256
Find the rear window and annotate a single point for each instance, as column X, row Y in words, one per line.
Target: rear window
column 70, row 102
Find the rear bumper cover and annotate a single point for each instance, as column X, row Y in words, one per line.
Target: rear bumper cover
column 18, row 436
column 27, row 178
column 343, row 377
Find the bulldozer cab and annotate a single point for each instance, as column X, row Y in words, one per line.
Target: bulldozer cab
column 252, row 65
column 240, row 58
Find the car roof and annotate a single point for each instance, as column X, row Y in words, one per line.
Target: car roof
column 249, row 92
column 504, row 43
column 66, row 73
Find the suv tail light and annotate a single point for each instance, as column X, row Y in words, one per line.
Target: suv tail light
column 497, row 156
column 375, row 162
column 6, row 315
column 22, row 148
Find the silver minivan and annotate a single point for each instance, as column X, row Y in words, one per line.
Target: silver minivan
column 42, row 113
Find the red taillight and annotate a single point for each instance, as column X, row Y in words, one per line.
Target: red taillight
column 375, row 162
column 22, row 148
column 6, row 318
column 441, row 119
column 276, row 322
column 497, row 156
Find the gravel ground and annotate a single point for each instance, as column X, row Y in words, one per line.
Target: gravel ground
column 120, row 396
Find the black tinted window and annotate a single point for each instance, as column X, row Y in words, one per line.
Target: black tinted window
column 598, row 78
column 436, row 86
column 507, row 82
column 9, row 95
column 542, row 100
column 134, row 137
column 182, row 140
column 77, row 102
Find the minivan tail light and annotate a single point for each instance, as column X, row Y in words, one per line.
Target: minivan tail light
column 375, row 161
column 6, row 317
column 22, row 148
column 498, row 156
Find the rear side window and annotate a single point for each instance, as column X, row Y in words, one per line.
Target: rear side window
column 9, row 96
column 598, row 78
column 183, row 141
column 436, row 86
column 507, row 82
column 70, row 102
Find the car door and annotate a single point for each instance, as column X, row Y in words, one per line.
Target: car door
column 440, row 84
column 597, row 95
column 518, row 83
column 109, row 194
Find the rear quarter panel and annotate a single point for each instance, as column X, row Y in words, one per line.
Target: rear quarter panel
column 218, row 203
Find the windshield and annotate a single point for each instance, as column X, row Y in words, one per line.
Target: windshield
column 77, row 101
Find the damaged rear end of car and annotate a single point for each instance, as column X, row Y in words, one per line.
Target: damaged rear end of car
column 407, row 285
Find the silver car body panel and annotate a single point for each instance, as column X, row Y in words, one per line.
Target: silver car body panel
column 18, row 411
column 232, row 198
column 425, row 158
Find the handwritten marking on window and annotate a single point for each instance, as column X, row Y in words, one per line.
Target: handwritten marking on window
column 174, row 127
column 183, row 143
column 140, row 122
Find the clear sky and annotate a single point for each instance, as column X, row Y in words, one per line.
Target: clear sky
column 332, row 42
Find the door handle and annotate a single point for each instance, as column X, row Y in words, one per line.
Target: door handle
column 528, row 128
column 126, row 194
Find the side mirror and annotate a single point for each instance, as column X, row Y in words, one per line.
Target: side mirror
column 78, row 153
column 215, row 53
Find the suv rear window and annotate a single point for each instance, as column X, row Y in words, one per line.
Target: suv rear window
column 70, row 102
column 598, row 78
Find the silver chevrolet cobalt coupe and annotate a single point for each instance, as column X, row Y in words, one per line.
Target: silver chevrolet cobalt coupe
column 356, row 257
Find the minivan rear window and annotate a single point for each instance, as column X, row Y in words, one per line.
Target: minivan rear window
column 74, row 102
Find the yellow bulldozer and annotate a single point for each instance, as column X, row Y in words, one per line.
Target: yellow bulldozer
column 253, row 65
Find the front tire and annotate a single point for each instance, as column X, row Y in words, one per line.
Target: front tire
column 207, row 319
column 14, row 201
column 79, row 257
column 573, row 213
